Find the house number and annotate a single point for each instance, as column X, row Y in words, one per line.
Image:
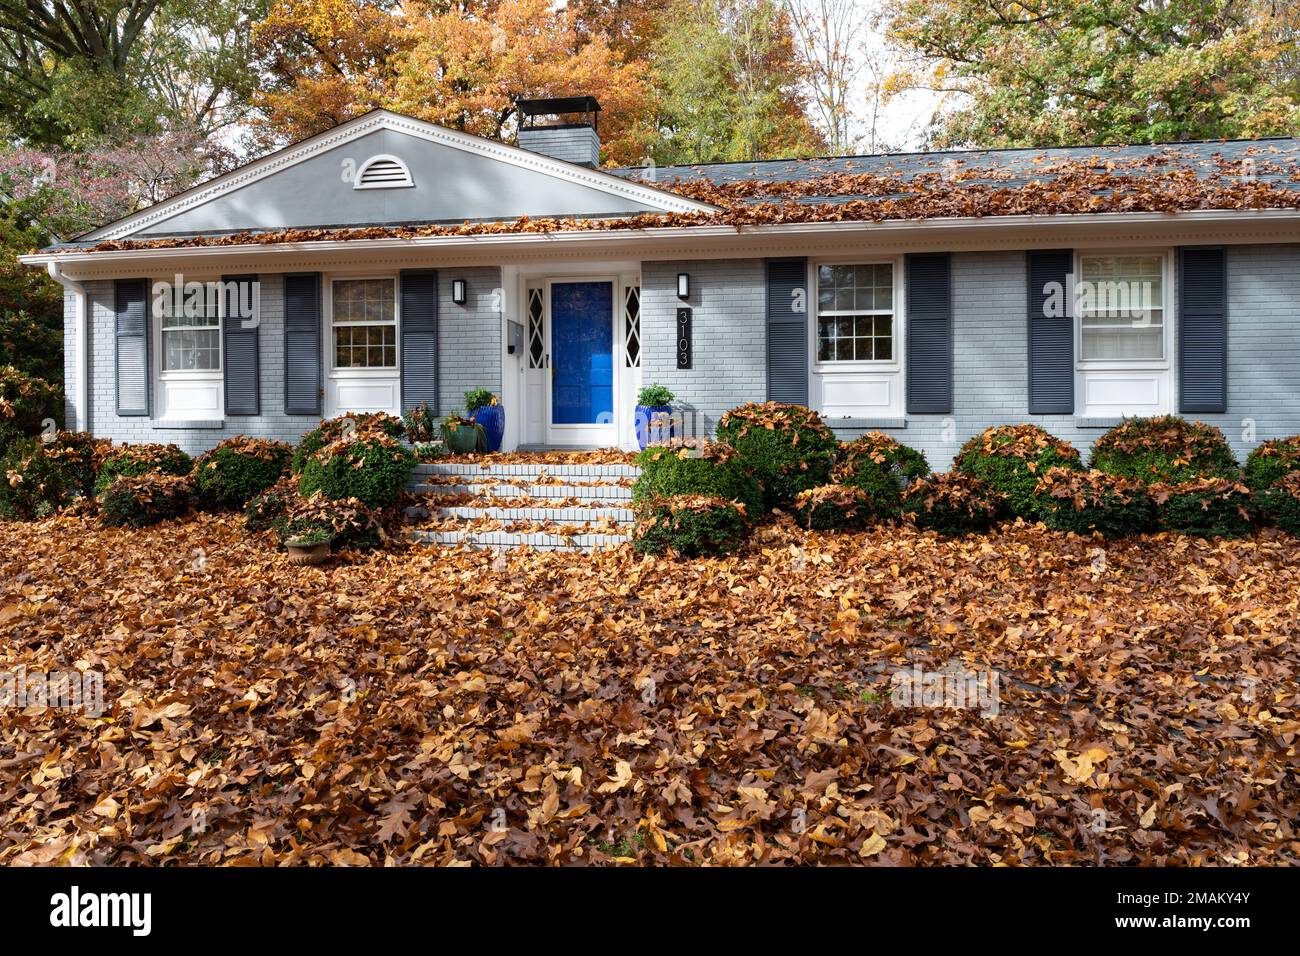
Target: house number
column 684, row 338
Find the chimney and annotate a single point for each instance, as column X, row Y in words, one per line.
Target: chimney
column 562, row 128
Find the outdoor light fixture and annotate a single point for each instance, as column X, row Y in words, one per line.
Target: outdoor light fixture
column 458, row 291
column 683, row 285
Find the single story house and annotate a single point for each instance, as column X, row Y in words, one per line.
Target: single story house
column 389, row 261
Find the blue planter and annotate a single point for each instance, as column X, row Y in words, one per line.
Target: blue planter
column 493, row 420
column 645, row 431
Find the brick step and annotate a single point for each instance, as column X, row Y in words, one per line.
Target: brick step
column 492, row 489
column 507, row 540
column 571, row 515
column 524, row 470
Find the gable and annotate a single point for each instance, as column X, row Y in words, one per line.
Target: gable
column 453, row 177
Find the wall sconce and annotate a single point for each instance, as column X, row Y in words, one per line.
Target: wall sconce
column 458, row 291
column 683, row 285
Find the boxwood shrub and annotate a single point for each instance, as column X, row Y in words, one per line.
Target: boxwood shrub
column 344, row 522
column 350, row 425
column 835, row 508
column 32, row 484
column 1093, row 501
column 80, row 455
column 882, row 467
column 696, row 466
column 130, row 461
column 142, row 500
column 788, row 448
column 689, row 525
column 1165, row 449
column 1011, row 459
column 262, row 510
column 1280, row 503
column 373, row 469
column 25, row 403
column 953, row 503
column 1208, row 507
column 1271, row 461
column 238, row 468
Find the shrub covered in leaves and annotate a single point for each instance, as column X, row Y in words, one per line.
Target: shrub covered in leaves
column 1164, row 449
column 953, row 503
column 129, row 461
column 1271, row 461
column 142, row 500
column 345, row 426
column 1209, row 507
column 882, row 467
column 238, row 468
column 1011, row 458
column 344, row 522
column 421, row 424
column 80, row 455
column 696, row 466
column 373, row 469
column 835, row 508
column 690, row 525
column 788, row 448
column 1280, row 503
column 32, row 485
column 25, row 403
column 262, row 510
column 1088, row 501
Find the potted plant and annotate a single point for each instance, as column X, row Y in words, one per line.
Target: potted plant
column 421, row 424
column 485, row 408
column 462, row 435
column 312, row 547
column 653, row 415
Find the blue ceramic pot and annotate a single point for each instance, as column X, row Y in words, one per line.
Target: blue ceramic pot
column 646, row 432
column 493, row 420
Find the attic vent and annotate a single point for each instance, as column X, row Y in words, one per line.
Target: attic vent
column 383, row 172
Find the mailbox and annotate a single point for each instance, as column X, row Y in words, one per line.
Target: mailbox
column 514, row 337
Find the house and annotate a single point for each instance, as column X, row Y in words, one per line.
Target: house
column 389, row 261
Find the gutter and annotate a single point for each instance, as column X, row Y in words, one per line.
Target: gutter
column 81, row 394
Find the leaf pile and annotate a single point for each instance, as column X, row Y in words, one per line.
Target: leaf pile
column 438, row 707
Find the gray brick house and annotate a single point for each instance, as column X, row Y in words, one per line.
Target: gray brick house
column 389, row 261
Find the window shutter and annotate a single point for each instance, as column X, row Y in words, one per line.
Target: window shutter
column 419, row 346
column 131, row 331
column 787, row 331
column 929, row 334
column 240, row 357
column 1051, row 337
column 1202, row 330
column 302, row 347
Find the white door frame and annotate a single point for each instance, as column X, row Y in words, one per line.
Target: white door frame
column 584, row 436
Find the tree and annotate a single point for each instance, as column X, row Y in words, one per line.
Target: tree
column 829, row 35
column 1055, row 72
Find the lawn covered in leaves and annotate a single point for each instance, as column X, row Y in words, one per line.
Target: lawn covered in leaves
column 433, row 707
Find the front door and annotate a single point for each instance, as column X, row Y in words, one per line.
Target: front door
column 582, row 363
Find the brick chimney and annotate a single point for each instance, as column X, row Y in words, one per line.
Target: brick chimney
column 562, row 128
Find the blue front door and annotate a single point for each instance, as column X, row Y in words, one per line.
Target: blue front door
column 582, row 353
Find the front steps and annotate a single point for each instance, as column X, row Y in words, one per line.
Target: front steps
column 546, row 506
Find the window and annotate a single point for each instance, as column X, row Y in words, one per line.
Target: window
column 191, row 331
column 1122, row 308
column 632, row 326
column 855, row 313
column 365, row 323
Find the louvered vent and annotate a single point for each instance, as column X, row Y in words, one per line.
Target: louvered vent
column 383, row 172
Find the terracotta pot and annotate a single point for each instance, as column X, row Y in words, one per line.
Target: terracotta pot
column 308, row 553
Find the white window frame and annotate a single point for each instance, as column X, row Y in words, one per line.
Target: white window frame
column 330, row 326
column 1169, row 308
column 814, row 308
column 160, row 340
column 172, row 386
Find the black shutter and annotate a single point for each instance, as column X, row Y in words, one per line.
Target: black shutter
column 1051, row 337
column 1202, row 330
column 302, row 351
column 787, row 331
column 929, row 334
column 419, row 321
column 239, row 340
column 131, row 359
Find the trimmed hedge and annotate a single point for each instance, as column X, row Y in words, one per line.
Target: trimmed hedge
column 355, row 426
column 953, row 503
column 835, row 508
column 1011, row 459
column 1271, row 461
column 882, row 467
column 80, row 455
column 696, row 466
column 373, row 469
column 142, row 500
column 788, row 448
column 262, row 510
column 690, row 525
column 1281, row 503
column 1208, row 507
column 1085, row 502
column 32, row 485
column 130, row 461
column 1166, row 449
column 344, row 522
column 238, row 468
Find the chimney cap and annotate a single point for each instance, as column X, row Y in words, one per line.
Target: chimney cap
column 529, row 109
